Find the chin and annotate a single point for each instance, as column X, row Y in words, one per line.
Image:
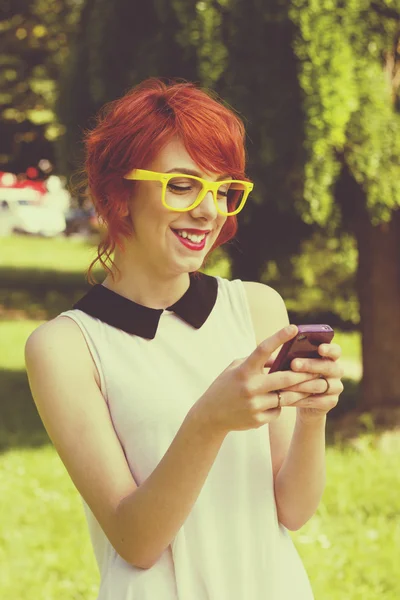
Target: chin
column 189, row 265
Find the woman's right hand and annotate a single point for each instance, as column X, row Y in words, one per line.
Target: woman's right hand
column 244, row 395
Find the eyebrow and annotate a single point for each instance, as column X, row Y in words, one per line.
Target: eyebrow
column 195, row 173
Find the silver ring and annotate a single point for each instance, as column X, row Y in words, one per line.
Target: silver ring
column 327, row 385
column 279, row 398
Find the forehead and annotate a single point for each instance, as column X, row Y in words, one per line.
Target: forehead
column 174, row 156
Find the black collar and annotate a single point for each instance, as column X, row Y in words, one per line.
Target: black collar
column 194, row 307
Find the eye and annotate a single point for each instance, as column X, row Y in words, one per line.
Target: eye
column 223, row 191
column 180, row 186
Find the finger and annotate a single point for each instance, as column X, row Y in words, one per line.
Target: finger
column 267, row 416
column 332, row 351
column 322, row 403
column 291, row 398
column 312, row 386
column 335, row 388
column 257, row 359
column 271, row 401
column 270, row 361
column 318, row 387
column 280, row 380
column 325, row 367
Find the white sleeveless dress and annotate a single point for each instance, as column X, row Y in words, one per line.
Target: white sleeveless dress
column 231, row 546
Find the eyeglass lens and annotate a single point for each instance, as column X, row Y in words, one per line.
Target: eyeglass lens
column 182, row 192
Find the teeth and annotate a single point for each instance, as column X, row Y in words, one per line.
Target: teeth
column 192, row 237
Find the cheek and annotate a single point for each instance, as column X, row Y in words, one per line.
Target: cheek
column 148, row 210
column 221, row 222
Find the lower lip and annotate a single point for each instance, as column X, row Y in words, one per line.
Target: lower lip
column 191, row 245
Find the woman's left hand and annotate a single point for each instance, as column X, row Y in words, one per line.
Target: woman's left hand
column 322, row 398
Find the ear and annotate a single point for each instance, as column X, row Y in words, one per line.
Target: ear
column 125, row 210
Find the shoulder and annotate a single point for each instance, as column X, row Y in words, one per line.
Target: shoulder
column 57, row 341
column 49, row 334
column 267, row 308
column 260, row 293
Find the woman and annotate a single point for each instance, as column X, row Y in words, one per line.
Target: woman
column 153, row 388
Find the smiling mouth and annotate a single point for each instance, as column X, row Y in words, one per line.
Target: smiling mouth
column 195, row 236
column 193, row 241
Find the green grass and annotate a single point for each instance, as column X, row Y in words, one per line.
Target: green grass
column 45, row 551
column 350, row 342
column 349, row 548
column 42, row 277
column 65, row 255
column 13, row 335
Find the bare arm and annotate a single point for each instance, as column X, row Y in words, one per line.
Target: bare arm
column 141, row 521
column 300, row 482
column 297, row 447
column 155, row 512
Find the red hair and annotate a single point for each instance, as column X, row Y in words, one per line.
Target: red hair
column 132, row 130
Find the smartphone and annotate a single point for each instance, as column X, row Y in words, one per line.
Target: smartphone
column 304, row 345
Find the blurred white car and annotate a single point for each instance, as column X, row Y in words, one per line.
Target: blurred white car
column 29, row 217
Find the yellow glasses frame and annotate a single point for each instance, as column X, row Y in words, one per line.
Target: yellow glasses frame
column 208, row 186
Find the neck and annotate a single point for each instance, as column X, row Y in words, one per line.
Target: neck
column 139, row 283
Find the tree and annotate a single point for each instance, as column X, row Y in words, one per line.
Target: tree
column 350, row 76
column 34, row 48
column 117, row 45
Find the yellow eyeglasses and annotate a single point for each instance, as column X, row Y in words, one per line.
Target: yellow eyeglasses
column 181, row 192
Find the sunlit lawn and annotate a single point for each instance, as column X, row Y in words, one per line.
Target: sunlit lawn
column 350, row 547
column 61, row 254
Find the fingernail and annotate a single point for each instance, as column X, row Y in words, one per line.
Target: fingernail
column 298, row 364
column 291, row 329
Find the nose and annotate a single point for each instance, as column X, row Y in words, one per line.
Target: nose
column 206, row 208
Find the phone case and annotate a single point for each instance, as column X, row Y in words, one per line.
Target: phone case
column 304, row 345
